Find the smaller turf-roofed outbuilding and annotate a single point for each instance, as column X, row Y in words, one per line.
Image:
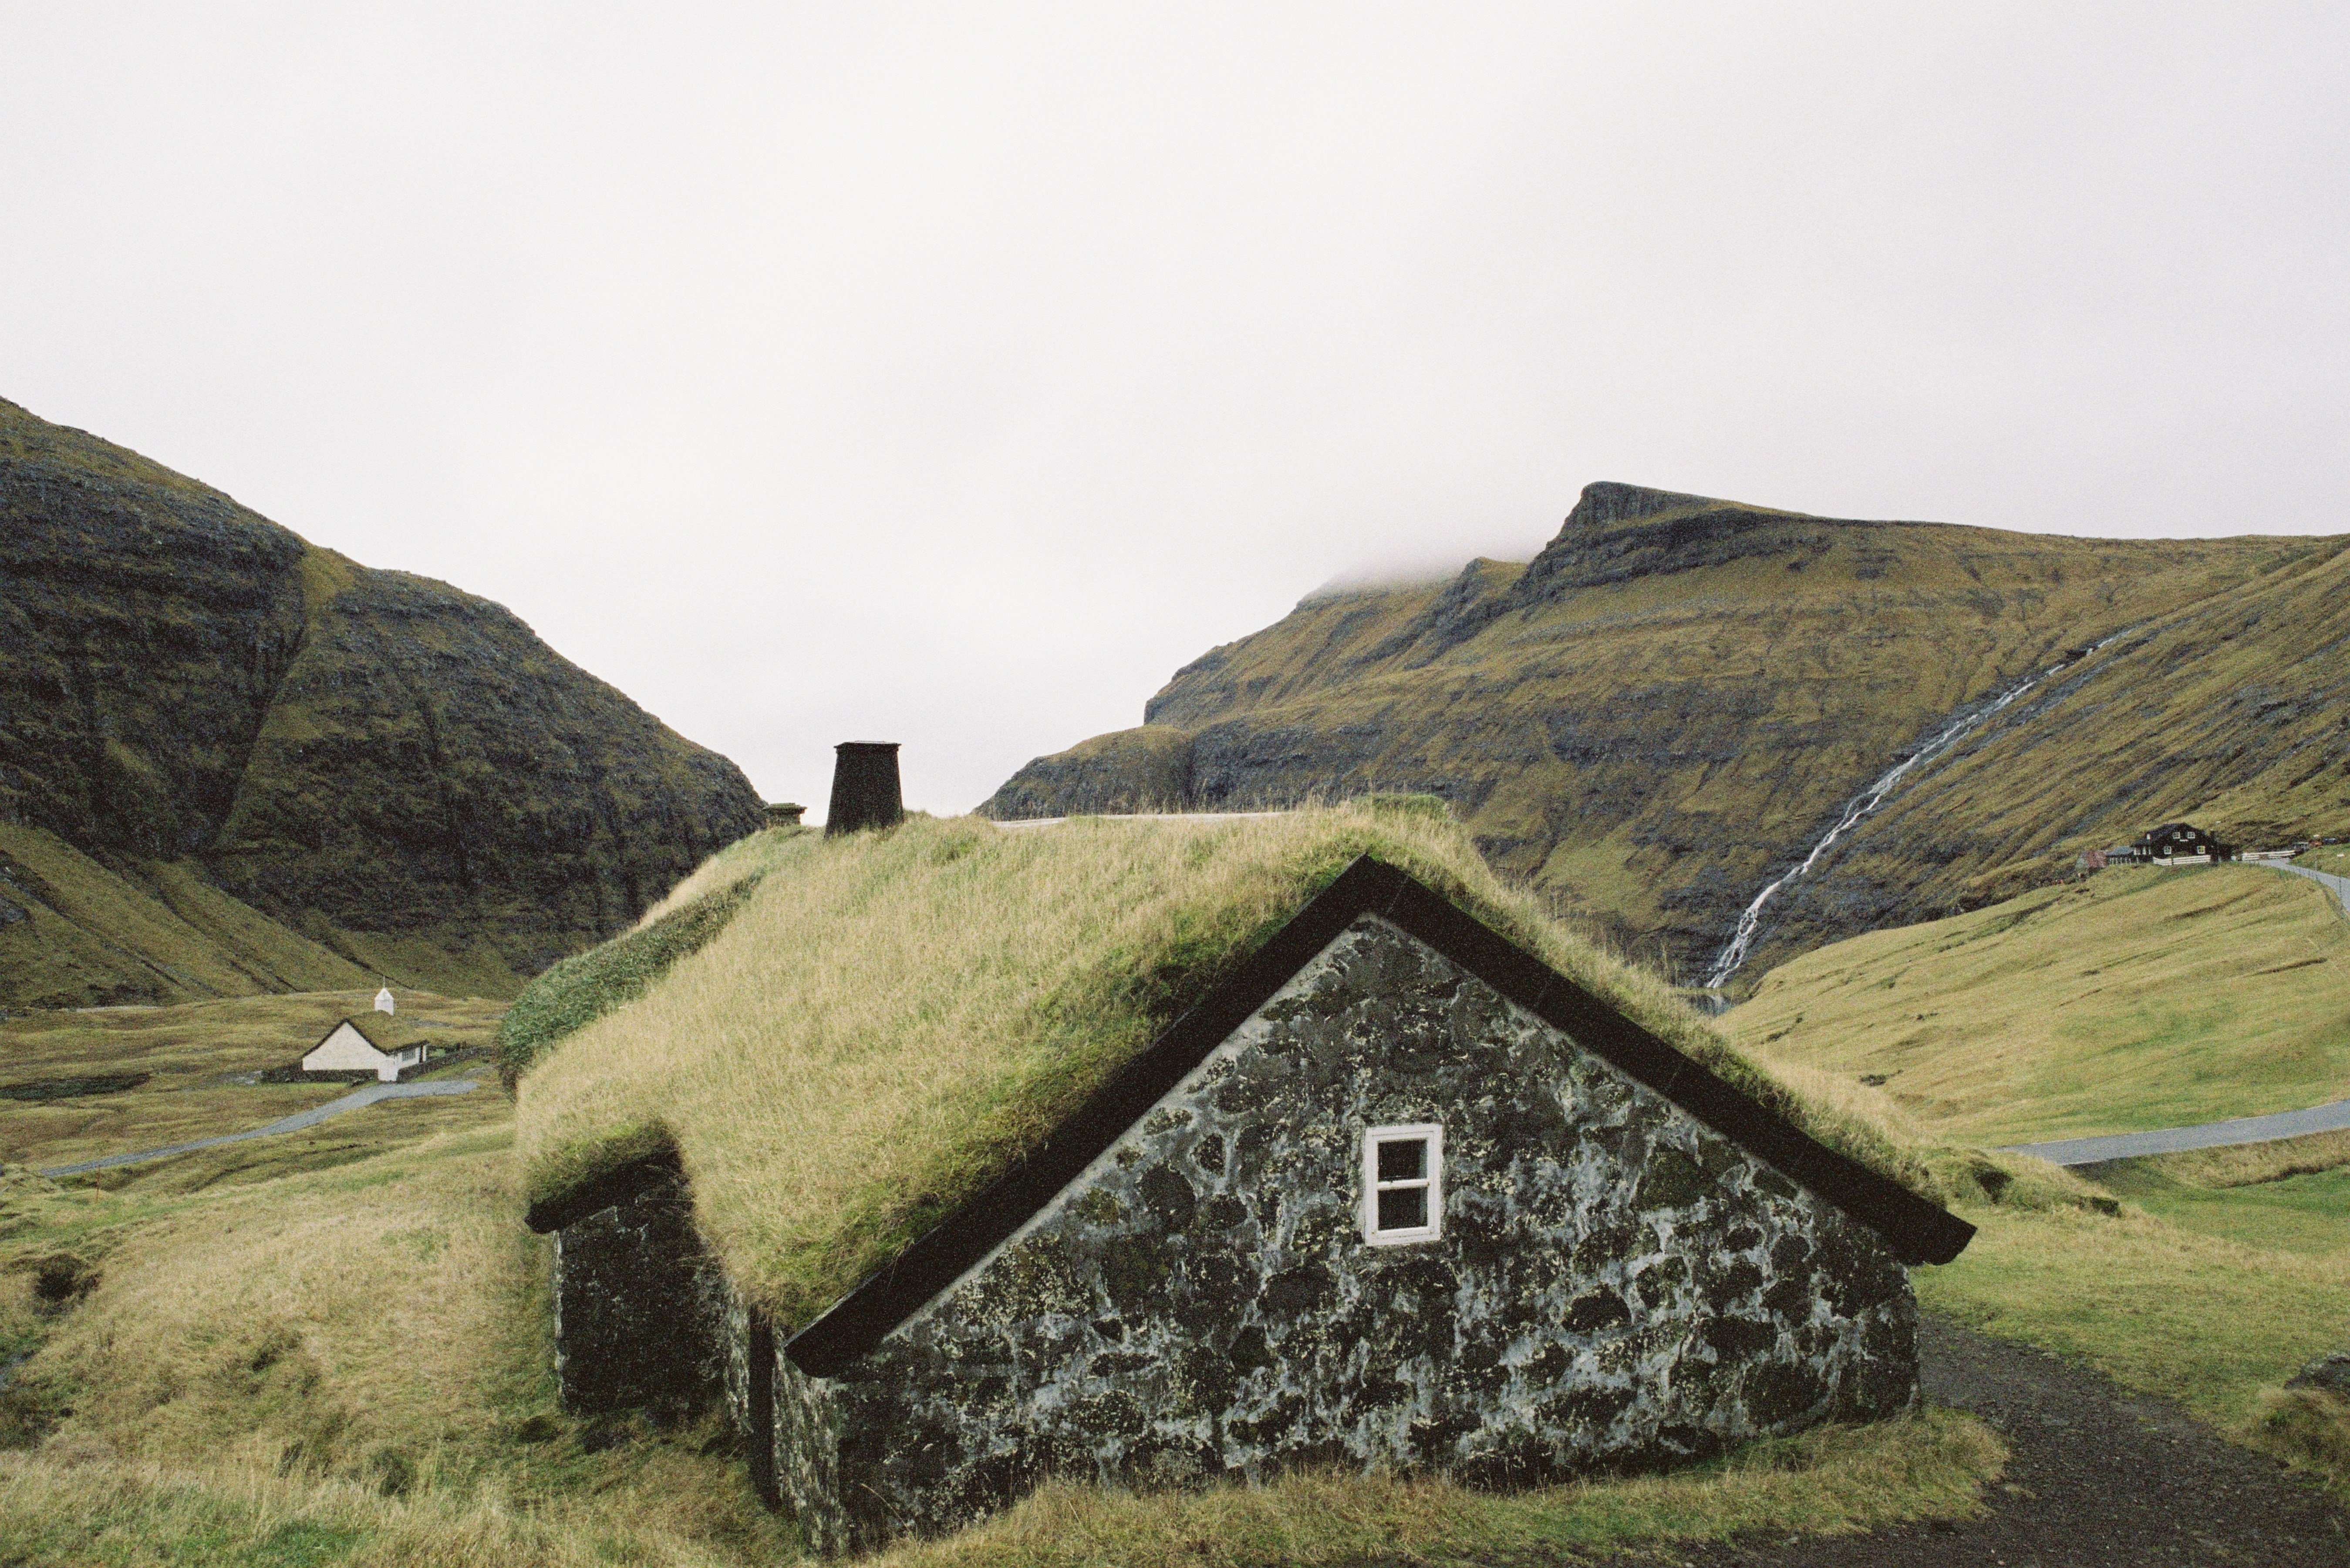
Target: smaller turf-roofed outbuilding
column 1166, row 1153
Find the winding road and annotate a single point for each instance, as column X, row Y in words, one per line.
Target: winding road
column 2333, row 1117
column 2340, row 884
column 368, row 1095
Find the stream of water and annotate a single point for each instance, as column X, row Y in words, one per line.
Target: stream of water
column 1864, row 803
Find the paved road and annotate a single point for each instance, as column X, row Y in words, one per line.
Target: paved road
column 2332, row 1117
column 364, row 1097
column 2335, row 1117
column 2097, row 1477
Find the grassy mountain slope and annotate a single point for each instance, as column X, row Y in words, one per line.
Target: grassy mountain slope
column 230, row 761
column 1658, row 715
column 2233, row 711
column 69, row 927
column 2133, row 999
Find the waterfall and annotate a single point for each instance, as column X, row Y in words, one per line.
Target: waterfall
column 1866, row 803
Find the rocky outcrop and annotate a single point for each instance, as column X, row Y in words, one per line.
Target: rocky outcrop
column 1132, row 771
column 379, row 763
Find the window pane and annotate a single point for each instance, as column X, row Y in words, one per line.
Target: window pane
column 1404, row 1207
column 1405, row 1159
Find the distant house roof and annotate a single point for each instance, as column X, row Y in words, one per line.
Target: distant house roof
column 855, row 1121
column 373, row 1028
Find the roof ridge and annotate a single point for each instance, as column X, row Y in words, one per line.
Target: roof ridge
column 1916, row 1229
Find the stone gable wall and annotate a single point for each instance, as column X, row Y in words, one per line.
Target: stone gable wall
column 1616, row 1286
column 641, row 1310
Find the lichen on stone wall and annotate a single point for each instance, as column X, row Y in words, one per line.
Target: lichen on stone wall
column 1615, row 1286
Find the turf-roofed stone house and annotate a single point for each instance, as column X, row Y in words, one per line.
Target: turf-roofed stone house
column 1393, row 1192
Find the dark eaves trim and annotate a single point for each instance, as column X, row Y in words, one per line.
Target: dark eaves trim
column 1917, row 1230
column 617, row 1185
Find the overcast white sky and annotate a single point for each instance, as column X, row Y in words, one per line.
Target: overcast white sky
column 951, row 375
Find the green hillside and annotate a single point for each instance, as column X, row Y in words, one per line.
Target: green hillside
column 2131, row 1000
column 1662, row 712
column 232, row 761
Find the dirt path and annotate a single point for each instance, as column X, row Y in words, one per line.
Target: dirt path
column 2099, row 1478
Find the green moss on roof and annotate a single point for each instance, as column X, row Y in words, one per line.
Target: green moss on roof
column 376, row 1028
column 581, row 989
column 891, row 1020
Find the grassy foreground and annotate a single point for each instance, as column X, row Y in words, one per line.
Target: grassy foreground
column 350, row 1365
column 2217, row 1323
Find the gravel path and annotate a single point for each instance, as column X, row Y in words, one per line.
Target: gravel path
column 2331, row 1118
column 2098, row 1478
column 294, row 1123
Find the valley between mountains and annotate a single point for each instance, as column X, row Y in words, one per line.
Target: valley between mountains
column 242, row 777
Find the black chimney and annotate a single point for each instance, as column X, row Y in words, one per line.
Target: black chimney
column 864, row 787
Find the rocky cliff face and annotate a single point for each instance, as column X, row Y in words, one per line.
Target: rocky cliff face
column 1665, row 709
column 398, row 776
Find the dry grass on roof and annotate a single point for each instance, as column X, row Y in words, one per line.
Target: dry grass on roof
column 895, row 1018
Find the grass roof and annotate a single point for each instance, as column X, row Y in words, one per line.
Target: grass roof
column 891, row 1020
column 375, row 1028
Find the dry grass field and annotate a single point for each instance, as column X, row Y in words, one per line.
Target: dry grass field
column 2134, row 999
column 198, row 1059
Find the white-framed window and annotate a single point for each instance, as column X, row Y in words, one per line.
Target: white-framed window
column 1403, row 1184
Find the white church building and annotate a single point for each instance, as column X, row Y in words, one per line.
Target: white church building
column 356, row 1045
